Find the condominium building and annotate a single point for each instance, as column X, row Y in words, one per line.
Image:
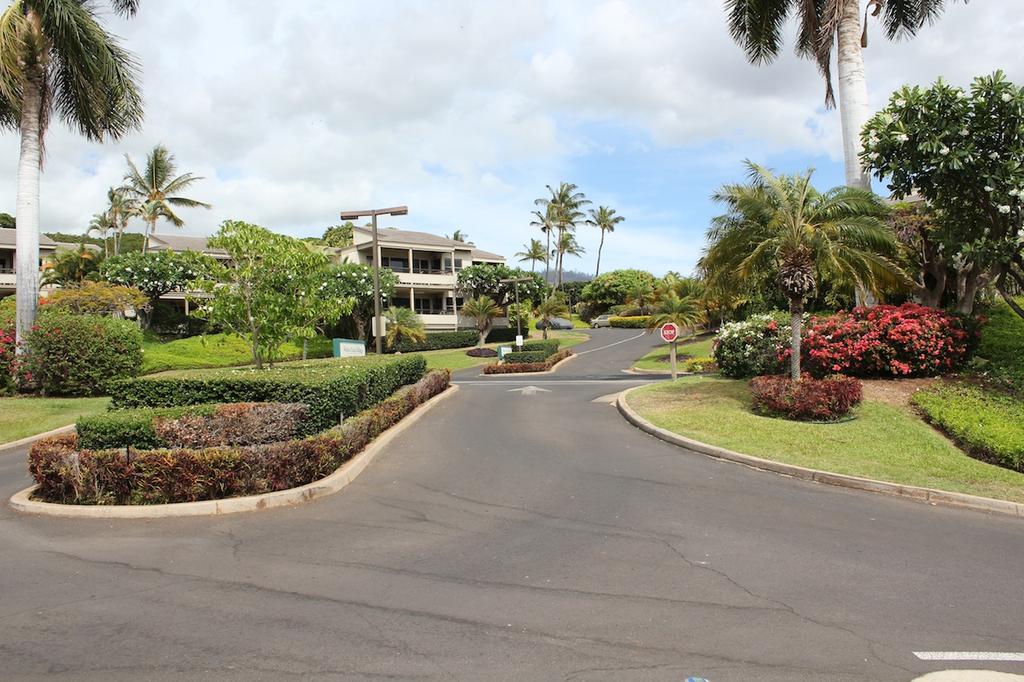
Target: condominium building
column 8, row 263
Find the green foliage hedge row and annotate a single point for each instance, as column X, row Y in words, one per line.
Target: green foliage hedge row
column 66, row 474
column 631, row 322
column 77, row 354
column 505, row 335
column 330, row 388
column 440, row 341
column 520, row 357
column 130, row 428
column 526, row 367
column 549, row 345
column 987, row 424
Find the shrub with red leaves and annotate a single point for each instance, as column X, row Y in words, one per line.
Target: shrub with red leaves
column 807, row 399
column 906, row 340
column 7, row 347
column 528, row 367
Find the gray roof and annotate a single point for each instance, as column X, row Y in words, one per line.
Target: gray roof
column 8, row 238
column 479, row 254
column 182, row 242
column 391, row 234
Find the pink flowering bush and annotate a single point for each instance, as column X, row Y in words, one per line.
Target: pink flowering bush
column 906, row 340
column 7, row 347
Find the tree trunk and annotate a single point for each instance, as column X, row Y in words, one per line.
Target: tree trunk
column 547, row 259
column 600, row 246
column 27, row 237
column 150, row 229
column 796, row 311
column 305, row 347
column 853, row 94
column 544, row 331
column 968, row 283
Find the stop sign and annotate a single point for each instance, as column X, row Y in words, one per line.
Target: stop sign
column 669, row 332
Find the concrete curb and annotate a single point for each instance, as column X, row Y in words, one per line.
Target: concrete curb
column 935, row 497
column 328, row 485
column 13, row 445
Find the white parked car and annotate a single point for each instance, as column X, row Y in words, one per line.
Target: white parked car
column 601, row 321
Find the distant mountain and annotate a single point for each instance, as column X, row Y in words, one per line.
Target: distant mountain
column 568, row 276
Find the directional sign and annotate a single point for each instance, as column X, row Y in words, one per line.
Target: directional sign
column 529, row 390
column 669, row 332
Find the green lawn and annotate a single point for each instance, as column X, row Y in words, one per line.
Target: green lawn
column 1002, row 344
column 22, row 416
column 884, row 442
column 214, row 350
column 658, row 358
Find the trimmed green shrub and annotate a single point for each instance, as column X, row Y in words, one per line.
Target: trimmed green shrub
column 438, row 341
column 331, row 388
column 526, row 367
column 130, row 428
column 632, row 322
column 550, row 346
column 505, row 335
column 527, row 356
column 987, row 424
column 65, row 474
column 78, row 354
column 699, row 365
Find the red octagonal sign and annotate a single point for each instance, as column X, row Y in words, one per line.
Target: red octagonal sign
column 669, row 332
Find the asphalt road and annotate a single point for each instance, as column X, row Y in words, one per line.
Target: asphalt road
column 519, row 537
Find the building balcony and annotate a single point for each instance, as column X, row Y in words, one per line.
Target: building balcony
column 7, row 278
column 426, row 278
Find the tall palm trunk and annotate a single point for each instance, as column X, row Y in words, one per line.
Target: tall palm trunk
column 547, row 258
column 150, row 228
column 853, row 93
column 600, row 246
column 558, row 259
column 27, row 239
column 796, row 320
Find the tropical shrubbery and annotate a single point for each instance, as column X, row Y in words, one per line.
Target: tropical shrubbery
column 527, row 367
column 330, row 388
column 631, row 322
column 807, row 399
column 439, row 341
column 78, row 354
column 753, row 346
column 885, row 340
column 65, row 474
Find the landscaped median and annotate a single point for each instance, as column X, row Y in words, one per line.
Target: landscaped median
column 885, row 448
column 536, row 356
column 158, row 460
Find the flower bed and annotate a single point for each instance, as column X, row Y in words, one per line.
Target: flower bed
column 753, row 346
column 527, row 367
column 482, row 353
column 807, row 399
column 331, row 388
column 66, row 474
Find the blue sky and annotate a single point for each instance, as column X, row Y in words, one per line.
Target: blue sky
column 465, row 110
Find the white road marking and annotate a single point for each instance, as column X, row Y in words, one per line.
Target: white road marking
column 553, row 382
column 970, row 656
column 529, row 390
column 584, row 352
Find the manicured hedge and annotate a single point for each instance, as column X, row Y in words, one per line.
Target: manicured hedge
column 550, row 345
column 632, row 322
column 65, row 474
column 194, row 426
column 986, row 423
column 505, row 335
column 526, row 367
column 807, row 399
column 331, row 388
column 440, row 341
column 76, row 354
column 526, row 356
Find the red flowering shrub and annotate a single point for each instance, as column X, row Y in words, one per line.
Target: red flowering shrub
column 906, row 340
column 7, row 346
column 807, row 399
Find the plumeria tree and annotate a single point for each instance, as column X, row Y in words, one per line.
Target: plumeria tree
column 265, row 294
column 963, row 153
column 157, row 273
column 486, row 280
column 355, row 281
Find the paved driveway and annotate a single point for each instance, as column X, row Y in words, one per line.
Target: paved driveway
column 520, row 537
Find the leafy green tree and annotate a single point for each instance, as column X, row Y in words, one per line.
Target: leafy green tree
column 355, row 281
column 158, row 273
column 604, row 219
column 7, row 221
column 485, row 280
column 155, row 191
column 684, row 311
column 641, row 296
column 821, row 24
column 964, row 154
column 563, row 207
column 338, row 236
column 68, row 267
column 483, row 310
column 459, row 236
column 404, row 326
column 551, row 307
column 265, row 293
column 57, row 59
column 533, row 252
column 98, row 298
column 612, row 288
column 781, row 225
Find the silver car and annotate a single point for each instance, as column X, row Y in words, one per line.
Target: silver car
column 601, row 321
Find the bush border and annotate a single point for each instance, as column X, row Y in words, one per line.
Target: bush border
column 546, row 367
column 340, row 478
column 940, row 498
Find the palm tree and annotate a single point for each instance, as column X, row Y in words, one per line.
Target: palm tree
column 757, row 26
column 403, row 326
column 483, row 310
column 781, row 227
column 101, row 224
column 641, row 295
column 120, row 208
column 604, row 219
column 56, row 58
column 567, row 246
column 546, row 222
column 71, row 267
column 155, row 190
column 564, row 208
column 551, row 307
column 533, row 252
column 459, row 236
column 683, row 311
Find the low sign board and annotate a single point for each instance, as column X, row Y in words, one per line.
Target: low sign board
column 349, row 348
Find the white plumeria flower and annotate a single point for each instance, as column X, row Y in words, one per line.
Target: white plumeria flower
column 1007, row 97
column 898, row 102
column 1014, row 192
column 902, row 137
column 990, row 188
column 944, row 151
column 1004, row 209
column 994, row 155
column 965, row 132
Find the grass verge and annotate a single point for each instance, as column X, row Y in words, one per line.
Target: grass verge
column 22, row 417
column 885, row 442
column 215, row 350
column 1002, row 345
column 658, row 358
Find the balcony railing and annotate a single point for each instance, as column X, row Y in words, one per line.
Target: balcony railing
column 421, row 271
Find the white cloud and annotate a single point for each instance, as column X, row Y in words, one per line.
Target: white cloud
column 465, row 110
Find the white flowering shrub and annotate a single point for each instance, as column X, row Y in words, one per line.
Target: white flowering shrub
column 753, row 347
